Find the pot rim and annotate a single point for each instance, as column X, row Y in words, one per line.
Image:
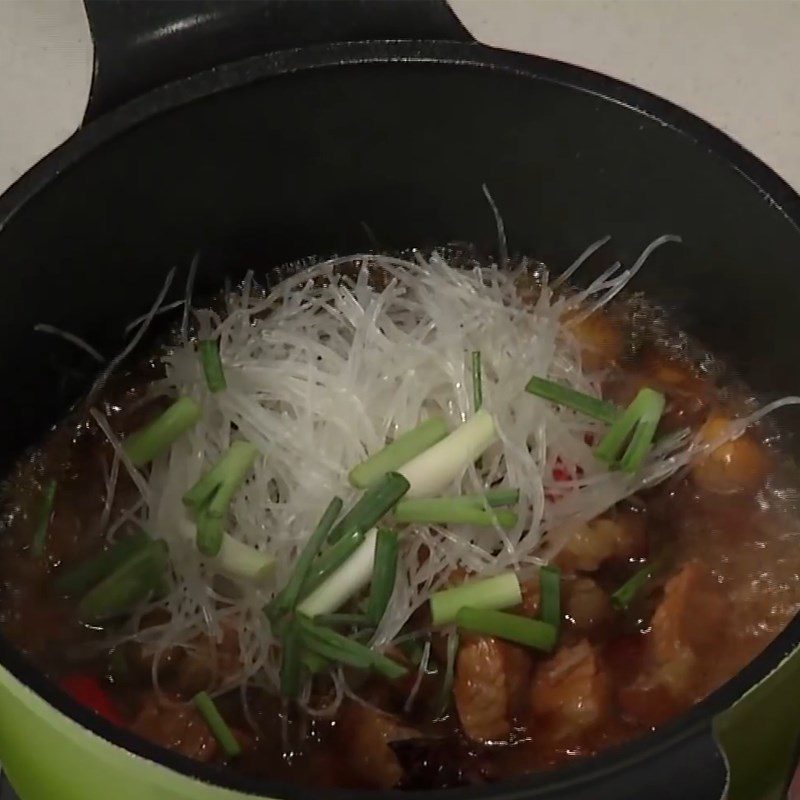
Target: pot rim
column 697, row 721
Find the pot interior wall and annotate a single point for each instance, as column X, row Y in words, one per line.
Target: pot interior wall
column 294, row 165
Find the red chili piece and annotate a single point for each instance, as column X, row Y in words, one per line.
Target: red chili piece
column 90, row 692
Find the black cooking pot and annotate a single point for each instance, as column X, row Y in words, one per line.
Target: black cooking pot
column 258, row 132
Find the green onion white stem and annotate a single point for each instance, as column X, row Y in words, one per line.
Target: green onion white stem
column 235, row 559
column 240, row 560
column 343, row 584
column 399, row 452
column 434, row 470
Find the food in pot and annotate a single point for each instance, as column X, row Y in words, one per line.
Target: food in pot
column 404, row 522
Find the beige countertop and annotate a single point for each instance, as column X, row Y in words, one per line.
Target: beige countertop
column 734, row 63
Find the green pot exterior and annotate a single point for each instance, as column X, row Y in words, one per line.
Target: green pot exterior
column 47, row 756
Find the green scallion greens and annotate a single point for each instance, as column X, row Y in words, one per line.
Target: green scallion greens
column 210, row 533
column 577, row 401
column 376, row 501
column 152, row 440
column 336, row 647
column 291, row 661
column 623, row 597
column 399, row 452
column 131, row 582
column 211, row 496
column 477, row 381
column 45, row 513
column 550, row 595
column 384, row 573
column 635, row 429
column 513, row 627
column 341, row 619
column 330, row 560
column 287, row 598
column 222, row 733
column 212, row 365
column 449, row 511
column 79, row 579
column 215, row 490
column 499, row 591
column 491, row 497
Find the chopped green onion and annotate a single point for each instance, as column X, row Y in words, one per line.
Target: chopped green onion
column 384, row 573
column 332, row 620
column 642, row 438
column 330, row 560
column 127, row 585
column 210, row 534
column 215, row 490
column 577, row 401
column 339, row 648
column 446, row 690
column 387, row 667
column 347, row 581
column 646, row 408
column 477, row 381
column 491, row 497
column 371, row 506
column 412, row 510
column 212, row 494
column 291, row 660
column 399, row 452
column 83, row 577
column 40, row 535
column 448, row 511
column 499, row 591
column 433, row 471
column 314, row 662
column 286, row 599
column 622, row 598
column 240, row 560
column 550, row 592
column 343, row 655
column 212, row 365
column 222, row 733
column 147, row 443
column 514, row 628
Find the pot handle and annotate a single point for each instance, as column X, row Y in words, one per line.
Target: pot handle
column 140, row 45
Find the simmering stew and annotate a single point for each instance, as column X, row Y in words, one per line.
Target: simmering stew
column 405, row 522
